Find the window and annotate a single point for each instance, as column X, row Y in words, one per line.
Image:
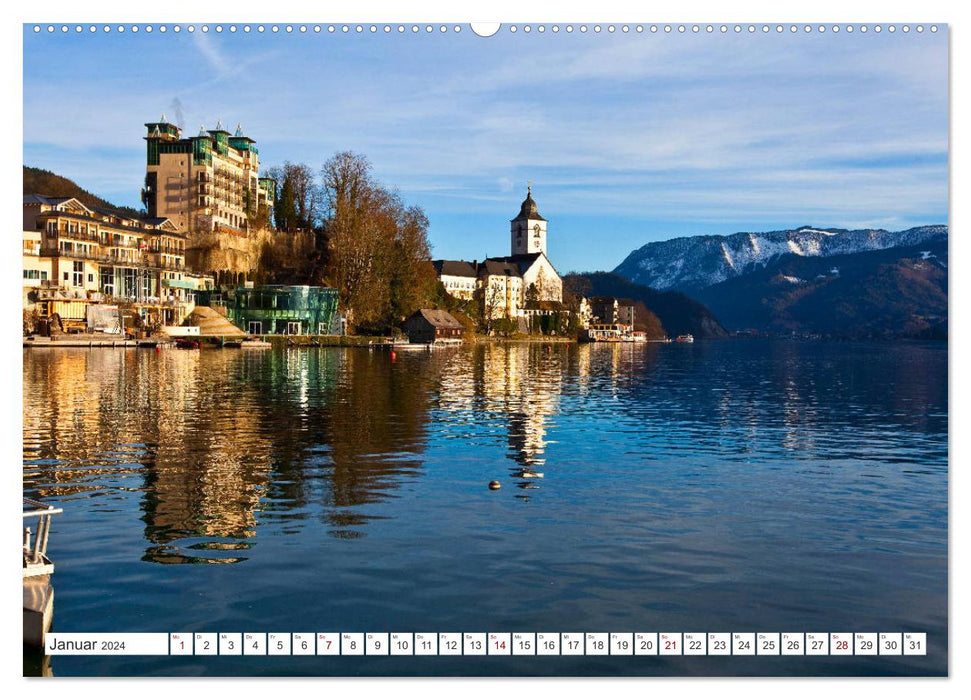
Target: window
column 255, row 328
column 90, row 278
column 78, row 273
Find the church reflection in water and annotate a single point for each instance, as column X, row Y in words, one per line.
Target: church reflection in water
column 214, row 443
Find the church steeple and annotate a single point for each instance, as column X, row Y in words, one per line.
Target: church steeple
column 528, row 229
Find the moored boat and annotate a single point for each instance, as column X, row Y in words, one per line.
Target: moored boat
column 686, row 338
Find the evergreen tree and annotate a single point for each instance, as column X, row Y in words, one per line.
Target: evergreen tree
column 286, row 208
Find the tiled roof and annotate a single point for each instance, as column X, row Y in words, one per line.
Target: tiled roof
column 455, row 268
column 494, row 266
column 439, row 318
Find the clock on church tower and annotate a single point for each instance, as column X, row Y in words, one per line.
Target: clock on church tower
column 528, row 230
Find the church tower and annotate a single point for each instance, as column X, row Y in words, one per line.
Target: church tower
column 528, row 230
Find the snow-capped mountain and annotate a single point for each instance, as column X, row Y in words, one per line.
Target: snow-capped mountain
column 697, row 262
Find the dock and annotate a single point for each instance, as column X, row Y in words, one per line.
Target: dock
column 78, row 341
column 37, row 570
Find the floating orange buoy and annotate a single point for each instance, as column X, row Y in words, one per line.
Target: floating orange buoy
column 494, row 485
column 158, row 349
column 393, row 356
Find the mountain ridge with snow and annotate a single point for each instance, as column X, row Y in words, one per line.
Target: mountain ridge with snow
column 697, row 262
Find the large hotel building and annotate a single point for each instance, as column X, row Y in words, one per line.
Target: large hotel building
column 204, row 183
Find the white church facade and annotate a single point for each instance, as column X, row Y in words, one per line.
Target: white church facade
column 519, row 285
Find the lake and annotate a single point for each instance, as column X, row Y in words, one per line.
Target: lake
column 722, row 486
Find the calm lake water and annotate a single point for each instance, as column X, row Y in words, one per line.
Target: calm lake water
column 722, row 486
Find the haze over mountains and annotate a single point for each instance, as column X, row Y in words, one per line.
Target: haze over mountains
column 835, row 282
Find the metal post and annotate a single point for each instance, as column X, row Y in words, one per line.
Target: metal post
column 47, row 533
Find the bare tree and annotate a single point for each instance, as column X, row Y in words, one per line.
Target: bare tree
column 378, row 252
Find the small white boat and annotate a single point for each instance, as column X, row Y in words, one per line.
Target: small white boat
column 686, row 338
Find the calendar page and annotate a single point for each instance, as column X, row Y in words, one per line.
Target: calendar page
column 424, row 348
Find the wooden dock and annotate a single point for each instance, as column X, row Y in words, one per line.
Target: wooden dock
column 78, row 341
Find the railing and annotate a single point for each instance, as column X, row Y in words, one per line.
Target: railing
column 75, row 235
column 57, row 252
column 35, row 554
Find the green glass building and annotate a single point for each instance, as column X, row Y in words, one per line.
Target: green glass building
column 278, row 309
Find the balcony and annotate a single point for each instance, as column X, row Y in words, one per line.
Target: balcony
column 95, row 256
column 73, row 236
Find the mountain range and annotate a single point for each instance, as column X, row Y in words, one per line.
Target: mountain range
column 831, row 282
column 697, row 262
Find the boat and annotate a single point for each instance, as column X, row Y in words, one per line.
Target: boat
column 232, row 344
column 37, row 570
column 188, row 344
column 686, row 338
column 148, row 343
column 255, row 344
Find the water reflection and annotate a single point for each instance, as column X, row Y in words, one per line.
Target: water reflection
column 217, row 444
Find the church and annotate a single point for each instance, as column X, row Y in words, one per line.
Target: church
column 521, row 284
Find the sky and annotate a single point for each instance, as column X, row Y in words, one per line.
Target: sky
column 626, row 138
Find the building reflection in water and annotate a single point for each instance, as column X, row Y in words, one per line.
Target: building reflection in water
column 218, row 440
column 213, row 444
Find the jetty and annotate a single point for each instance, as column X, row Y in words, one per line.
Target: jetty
column 38, row 591
column 79, row 340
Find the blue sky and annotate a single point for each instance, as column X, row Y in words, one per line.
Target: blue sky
column 626, row 138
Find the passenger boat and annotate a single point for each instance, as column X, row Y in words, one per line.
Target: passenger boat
column 188, row 344
column 686, row 338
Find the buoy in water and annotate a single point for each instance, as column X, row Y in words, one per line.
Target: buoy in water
column 494, row 485
column 394, row 356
